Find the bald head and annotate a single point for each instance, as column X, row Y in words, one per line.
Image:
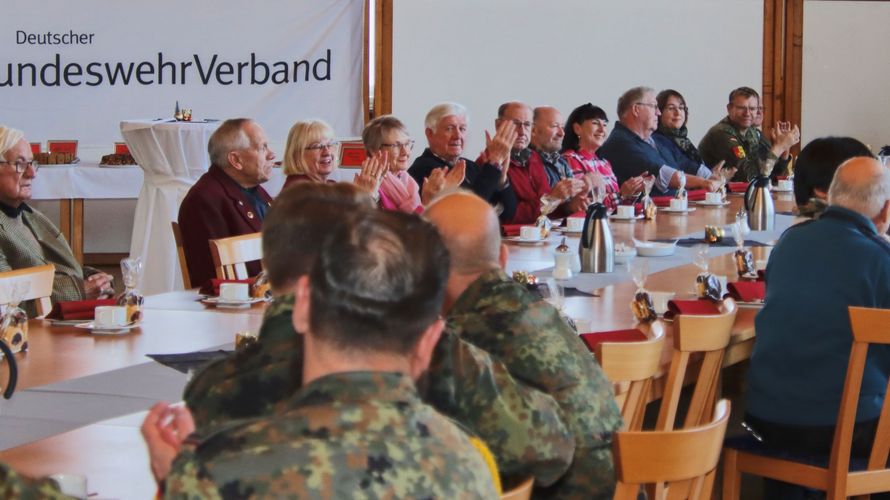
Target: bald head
column 521, row 116
column 469, row 227
column 547, row 130
column 862, row 185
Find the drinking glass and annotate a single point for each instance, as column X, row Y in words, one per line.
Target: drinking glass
column 553, row 293
column 701, row 257
column 639, row 271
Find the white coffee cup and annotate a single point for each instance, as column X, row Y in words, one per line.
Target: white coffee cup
column 575, row 224
column 234, row 291
column 678, row 204
column 71, row 484
column 785, row 185
column 713, row 198
column 530, row 233
column 660, row 301
column 625, row 212
column 111, row 316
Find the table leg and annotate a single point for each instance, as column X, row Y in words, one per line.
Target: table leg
column 77, row 230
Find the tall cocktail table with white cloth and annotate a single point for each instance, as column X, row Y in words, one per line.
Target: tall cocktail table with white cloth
column 172, row 155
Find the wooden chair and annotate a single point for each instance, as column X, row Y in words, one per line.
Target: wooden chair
column 39, row 281
column 180, row 251
column 633, row 363
column 521, row 492
column 835, row 477
column 708, row 335
column 688, row 457
column 230, row 254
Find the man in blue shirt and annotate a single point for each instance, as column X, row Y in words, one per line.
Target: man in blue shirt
column 816, row 271
column 632, row 151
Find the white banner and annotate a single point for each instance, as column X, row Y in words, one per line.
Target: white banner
column 75, row 69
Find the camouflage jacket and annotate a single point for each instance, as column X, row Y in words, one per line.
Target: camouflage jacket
column 540, row 349
column 13, row 485
column 522, row 426
column 746, row 151
column 347, row 435
column 250, row 382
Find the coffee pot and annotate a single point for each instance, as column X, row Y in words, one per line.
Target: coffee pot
column 759, row 204
column 13, row 369
column 597, row 248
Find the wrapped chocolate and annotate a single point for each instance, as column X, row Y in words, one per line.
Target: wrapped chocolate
column 744, row 261
column 649, row 208
column 260, row 288
column 642, row 307
column 131, row 298
column 14, row 324
column 681, row 190
column 545, row 225
column 713, row 234
column 525, row 278
column 245, row 340
column 707, row 286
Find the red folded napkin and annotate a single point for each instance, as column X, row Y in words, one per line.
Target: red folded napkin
column 581, row 214
column 78, row 309
column 696, row 307
column 511, row 229
column 594, row 339
column 212, row 286
column 747, row 291
column 694, row 195
column 738, row 187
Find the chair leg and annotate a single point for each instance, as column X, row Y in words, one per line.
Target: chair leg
column 732, row 478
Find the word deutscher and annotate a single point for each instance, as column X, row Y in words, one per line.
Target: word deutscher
column 50, row 38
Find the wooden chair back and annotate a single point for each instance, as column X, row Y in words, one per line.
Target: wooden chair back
column 634, row 365
column 521, row 492
column 39, row 287
column 230, row 254
column 687, row 456
column 870, row 326
column 705, row 334
column 180, row 251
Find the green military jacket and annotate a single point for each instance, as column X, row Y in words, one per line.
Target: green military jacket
column 346, row 435
column 539, row 348
column 521, row 425
column 746, row 151
column 13, row 485
column 18, row 251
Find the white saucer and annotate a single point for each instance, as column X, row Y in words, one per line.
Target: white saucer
column 567, row 231
column 706, row 204
column 670, row 210
column 655, row 248
column 110, row 330
column 521, row 241
column 777, row 190
column 625, row 219
column 231, row 304
column 750, row 305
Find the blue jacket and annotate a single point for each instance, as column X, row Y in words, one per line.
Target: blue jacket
column 675, row 156
column 631, row 156
column 800, row 357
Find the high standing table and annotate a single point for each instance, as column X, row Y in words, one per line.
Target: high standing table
column 172, row 155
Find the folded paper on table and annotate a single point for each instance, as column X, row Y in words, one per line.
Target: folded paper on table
column 698, row 307
column 512, row 229
column 694, row 195
column 78, row 309
column 591, row 340
column 747, row 291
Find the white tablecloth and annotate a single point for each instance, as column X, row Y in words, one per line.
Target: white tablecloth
column 172, row 155
column 87, row 181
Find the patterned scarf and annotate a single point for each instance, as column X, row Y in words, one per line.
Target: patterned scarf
column 813, row 208
column 678, row 135
column 401, row 189
column 521, row 157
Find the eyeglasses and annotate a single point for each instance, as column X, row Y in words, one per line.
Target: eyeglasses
column 648, row 104
column 330, row 146
column 397, row 147
column 671, row 108
column 752, row 109
column 21, row 166
column 521, row 124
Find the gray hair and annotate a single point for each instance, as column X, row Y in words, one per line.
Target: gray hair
column 442, row 110
column 865, row 196
column 630, row 97
column 230, row 136
column 9, row 137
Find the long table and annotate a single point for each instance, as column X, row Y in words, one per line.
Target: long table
column 67, row 369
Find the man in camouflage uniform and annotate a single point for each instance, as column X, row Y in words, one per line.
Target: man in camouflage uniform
column 521, row 425
column 13, row 485
column 488, row 309
column 736, row 140
column 369, row 309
